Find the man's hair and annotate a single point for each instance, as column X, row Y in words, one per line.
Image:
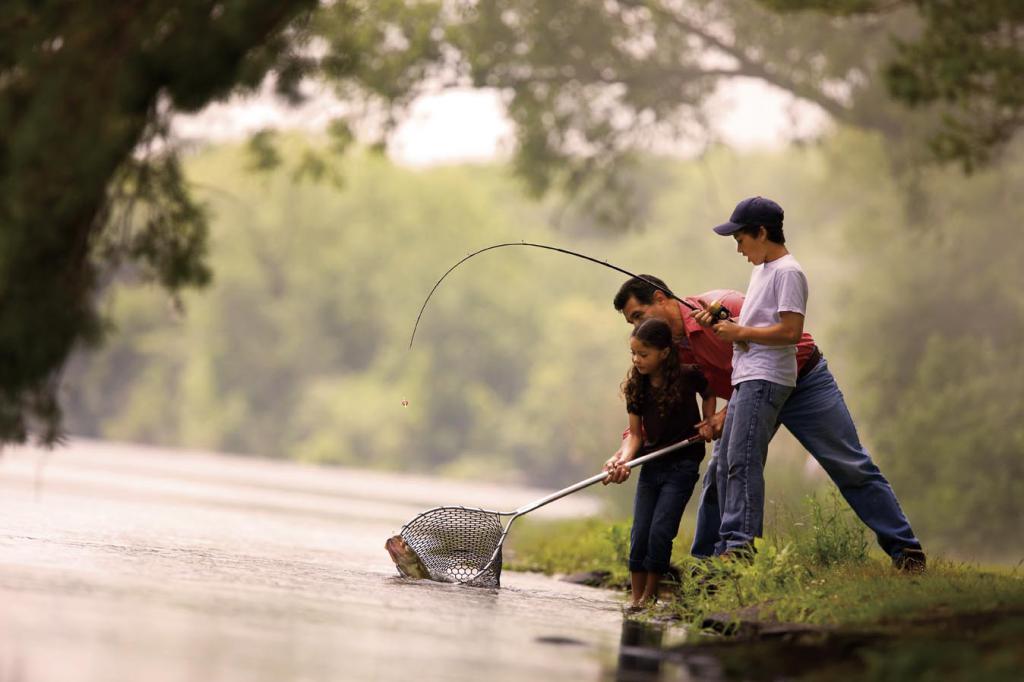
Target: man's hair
column 774, row 232
column 640, row 290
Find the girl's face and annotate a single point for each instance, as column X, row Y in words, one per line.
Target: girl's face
column 754, row 248
column 646, row 359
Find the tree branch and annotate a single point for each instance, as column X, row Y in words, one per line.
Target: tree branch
column 753, row 69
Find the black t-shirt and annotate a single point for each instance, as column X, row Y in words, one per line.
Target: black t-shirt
column 677, row 424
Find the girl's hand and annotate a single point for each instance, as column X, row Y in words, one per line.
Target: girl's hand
column 617, row 470
column 610, row 467
column 706, row 431
column 620, row 475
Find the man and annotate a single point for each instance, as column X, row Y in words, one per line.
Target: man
column 815, row 413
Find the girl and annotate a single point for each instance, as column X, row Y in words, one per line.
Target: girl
column 661, row 401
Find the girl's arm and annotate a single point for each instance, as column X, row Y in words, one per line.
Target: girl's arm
column 615, row 466
column 632, row 444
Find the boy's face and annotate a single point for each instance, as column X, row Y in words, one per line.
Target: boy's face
column 755, row 249
column 636, row 312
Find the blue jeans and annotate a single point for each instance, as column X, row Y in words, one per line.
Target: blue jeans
column 816, row 415
column 709, row 516
column 662, row 491
column 749, row 426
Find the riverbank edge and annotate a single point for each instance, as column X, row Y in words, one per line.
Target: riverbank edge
column 825, row 578
column 750, row 644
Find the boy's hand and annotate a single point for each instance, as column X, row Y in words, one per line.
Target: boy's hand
column 727, row 330
column 705, row 430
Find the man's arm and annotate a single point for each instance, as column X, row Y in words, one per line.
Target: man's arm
column 704, row 428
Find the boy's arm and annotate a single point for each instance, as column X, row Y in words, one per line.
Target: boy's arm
column 786, row 333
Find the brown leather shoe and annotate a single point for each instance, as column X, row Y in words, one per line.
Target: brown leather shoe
column 910, row 559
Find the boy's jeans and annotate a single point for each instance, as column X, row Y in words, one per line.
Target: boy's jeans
column 816, row 414
column 749, row 426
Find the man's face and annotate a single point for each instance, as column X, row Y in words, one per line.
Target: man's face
column 636, row 312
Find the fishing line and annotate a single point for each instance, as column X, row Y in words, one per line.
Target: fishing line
column 549, row 248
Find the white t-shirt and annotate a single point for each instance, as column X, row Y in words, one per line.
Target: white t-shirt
column 775, row 287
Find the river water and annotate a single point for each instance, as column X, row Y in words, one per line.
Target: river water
column 124, row 562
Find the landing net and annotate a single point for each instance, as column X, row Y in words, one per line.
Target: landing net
column 456, row 544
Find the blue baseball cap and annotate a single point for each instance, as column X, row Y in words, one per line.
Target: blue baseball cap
column 752, row 211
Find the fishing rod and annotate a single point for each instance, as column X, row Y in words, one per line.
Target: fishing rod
column 718, row 311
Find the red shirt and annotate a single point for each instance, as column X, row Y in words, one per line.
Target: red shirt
column 713, row 355
column 710, row 353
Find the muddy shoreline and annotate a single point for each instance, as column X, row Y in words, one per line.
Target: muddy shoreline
column 969, row 646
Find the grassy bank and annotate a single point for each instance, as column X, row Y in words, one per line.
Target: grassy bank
column 819, row 569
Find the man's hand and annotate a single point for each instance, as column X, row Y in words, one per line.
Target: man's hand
column 711, row 428
column 704, row 317
column 717, row 424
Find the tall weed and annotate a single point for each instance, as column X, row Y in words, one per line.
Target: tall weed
column 826, row 533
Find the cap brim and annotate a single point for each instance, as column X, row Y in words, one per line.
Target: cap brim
column 726, row 229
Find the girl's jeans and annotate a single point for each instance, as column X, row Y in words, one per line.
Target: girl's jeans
column 749, row 426
column 816, row 415
column 662, row 492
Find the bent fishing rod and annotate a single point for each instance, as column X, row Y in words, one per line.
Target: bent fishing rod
column 719, row 312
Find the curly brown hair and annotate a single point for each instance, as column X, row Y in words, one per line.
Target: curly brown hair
column 637, row 387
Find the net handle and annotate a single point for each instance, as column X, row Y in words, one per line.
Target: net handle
column 601, row 476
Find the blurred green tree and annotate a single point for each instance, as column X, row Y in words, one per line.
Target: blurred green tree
column 968, row 58
column 300, row 348
column 85, row 184
column 587, row 84
column 940, row 389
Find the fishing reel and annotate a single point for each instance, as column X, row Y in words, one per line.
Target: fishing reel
column 719, row 313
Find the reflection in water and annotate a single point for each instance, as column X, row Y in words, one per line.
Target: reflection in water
column 636, row 662
column 647, row 653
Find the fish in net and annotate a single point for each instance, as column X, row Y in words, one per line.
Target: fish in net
column 463, row 544
column 458, row 544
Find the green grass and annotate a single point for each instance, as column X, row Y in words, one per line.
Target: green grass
column 570, row 547
column 819, row 570
column 785, row 587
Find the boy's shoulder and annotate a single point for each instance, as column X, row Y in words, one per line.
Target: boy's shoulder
column 787, row 262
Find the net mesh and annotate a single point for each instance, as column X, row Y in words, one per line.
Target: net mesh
column 456, row 543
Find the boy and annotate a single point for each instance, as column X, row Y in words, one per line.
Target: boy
column 764, row 365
